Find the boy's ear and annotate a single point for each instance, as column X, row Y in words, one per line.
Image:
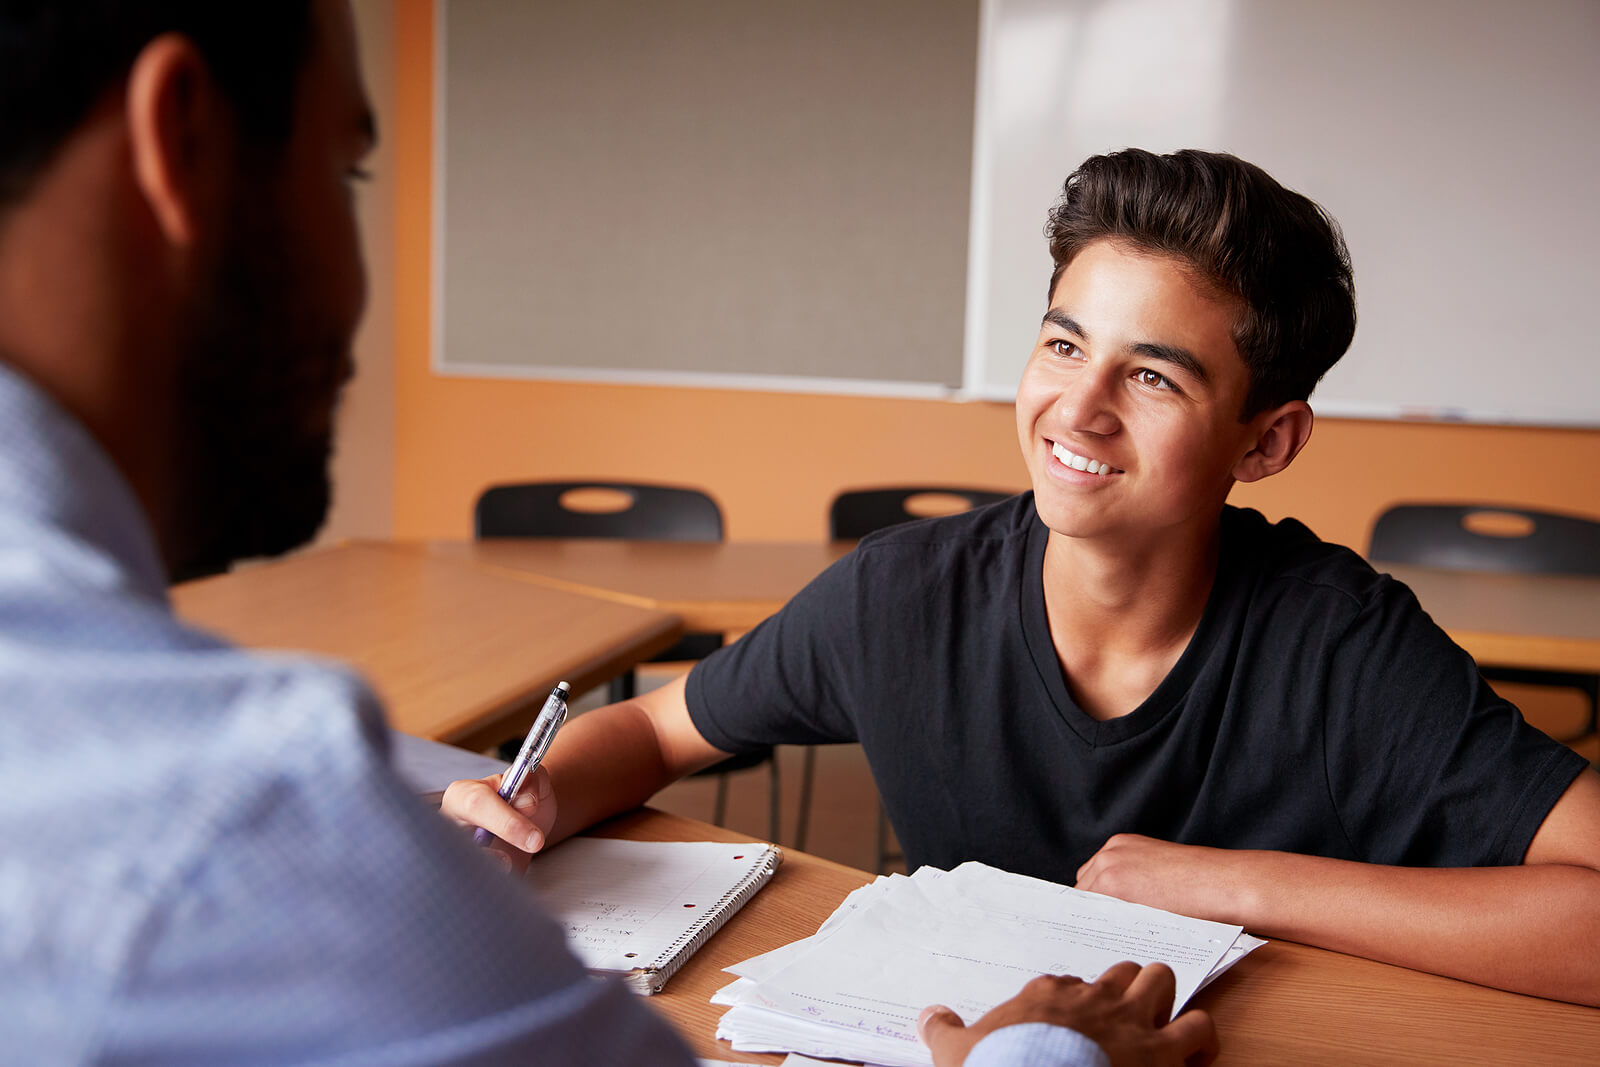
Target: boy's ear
column 174, row 119
column 1283, row 432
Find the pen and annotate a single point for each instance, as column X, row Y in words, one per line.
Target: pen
column 534, row 746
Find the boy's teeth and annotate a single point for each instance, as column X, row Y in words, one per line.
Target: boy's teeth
column 1081, row 463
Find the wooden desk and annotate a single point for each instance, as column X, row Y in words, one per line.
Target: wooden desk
column 712, row 587
column 1513, row 620
column 457, row 653
column 1285, row 1003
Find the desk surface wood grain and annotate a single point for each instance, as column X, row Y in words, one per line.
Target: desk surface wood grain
column 457, row 653
column 714, row 587
column 1285, row 1003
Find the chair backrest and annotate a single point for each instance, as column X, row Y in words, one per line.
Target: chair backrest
column 858, row 512
column 1486, row 537
column 653, row 512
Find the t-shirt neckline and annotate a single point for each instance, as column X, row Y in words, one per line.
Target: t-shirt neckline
column 1167, row 697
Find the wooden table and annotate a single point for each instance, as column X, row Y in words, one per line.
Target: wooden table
column 713, row 587
column 1513, row 620
column 458, row 653
column 1283, row 1004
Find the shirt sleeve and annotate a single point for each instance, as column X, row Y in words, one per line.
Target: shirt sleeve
column 325, row 915
column 789, row 680
column 1427, row 765
column 1037, row 1045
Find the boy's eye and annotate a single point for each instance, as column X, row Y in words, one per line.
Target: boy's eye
column 1146, row 376
column 1063, row 348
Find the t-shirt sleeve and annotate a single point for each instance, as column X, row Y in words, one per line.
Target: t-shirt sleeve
column 1426, row 765
column 787, row 681
column 325, row 915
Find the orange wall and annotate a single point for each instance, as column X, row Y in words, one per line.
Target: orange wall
column 773, row 460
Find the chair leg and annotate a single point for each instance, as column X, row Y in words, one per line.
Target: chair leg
column 719, row 809
column 774, row 800
column 622, row 687
column 802, row 821
column 883, row 839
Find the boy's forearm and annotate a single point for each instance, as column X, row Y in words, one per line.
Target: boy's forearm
column 604, row 762
column 1530, row 929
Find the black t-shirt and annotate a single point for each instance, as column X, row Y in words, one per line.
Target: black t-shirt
column 1317, row 708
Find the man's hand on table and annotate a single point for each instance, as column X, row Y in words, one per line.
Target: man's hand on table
column 1124, row 1011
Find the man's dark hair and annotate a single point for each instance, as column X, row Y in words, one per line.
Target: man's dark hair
column 58, row 56
column 1245, row 235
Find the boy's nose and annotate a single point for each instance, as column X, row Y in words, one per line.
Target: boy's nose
column 1087, row 404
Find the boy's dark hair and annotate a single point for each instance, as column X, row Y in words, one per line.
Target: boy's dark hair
column 58, row 56
column 1278, row 252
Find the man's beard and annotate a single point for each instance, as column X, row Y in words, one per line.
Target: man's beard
column 258, row 384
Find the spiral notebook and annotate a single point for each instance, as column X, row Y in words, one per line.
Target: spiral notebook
column 639, row 909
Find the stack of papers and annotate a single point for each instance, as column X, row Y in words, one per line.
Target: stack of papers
column 968, row 938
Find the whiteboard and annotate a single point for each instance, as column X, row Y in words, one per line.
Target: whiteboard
column 1456, row 141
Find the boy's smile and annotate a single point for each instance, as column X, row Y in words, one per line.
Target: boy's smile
column 1069, row 458
column 1128, row 411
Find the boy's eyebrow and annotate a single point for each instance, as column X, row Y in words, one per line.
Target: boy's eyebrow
column 1176, row 355
column 1057, row 317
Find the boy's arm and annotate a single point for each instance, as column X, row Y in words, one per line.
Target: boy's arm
column 603, row 762
column 615, row 758
column 1530, row 929
column 787, row 671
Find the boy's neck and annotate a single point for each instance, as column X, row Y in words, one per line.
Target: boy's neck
column 1121, row 617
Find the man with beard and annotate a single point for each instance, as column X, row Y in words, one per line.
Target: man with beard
column 207, row 858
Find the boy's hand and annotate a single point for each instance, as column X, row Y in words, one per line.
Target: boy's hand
column 1203, row 883
column 520, row 827
column 1124, row 1011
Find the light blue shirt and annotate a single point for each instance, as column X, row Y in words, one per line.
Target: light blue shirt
column 206, row 858
column 1037, row 1045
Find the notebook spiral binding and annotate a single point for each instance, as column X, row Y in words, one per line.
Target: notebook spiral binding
column 649, row 979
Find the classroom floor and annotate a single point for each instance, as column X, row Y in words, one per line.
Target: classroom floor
column 844, row 802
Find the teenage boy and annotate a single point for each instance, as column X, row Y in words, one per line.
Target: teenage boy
column 1120, row 681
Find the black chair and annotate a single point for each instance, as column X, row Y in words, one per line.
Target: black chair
column 858, row 512
column 1477, row 537
column 652, row 513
